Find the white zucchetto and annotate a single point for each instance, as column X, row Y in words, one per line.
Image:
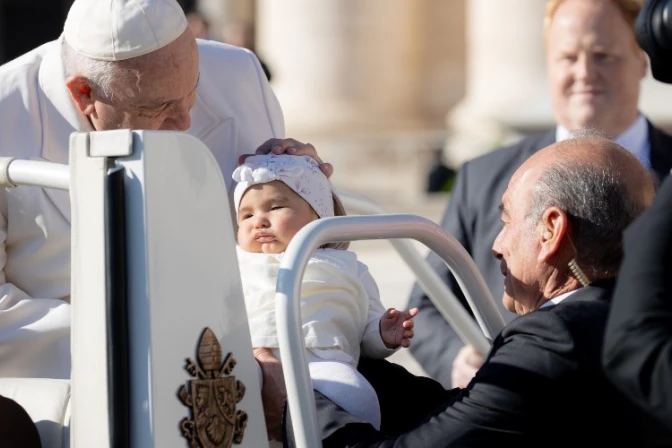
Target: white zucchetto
column 115, row 30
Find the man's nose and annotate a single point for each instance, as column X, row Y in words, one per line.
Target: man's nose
column 496, row 247
column 182, row 119
column 585, row 68
column 179, row 119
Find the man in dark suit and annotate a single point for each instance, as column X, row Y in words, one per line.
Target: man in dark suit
column 638, row 341
column 564, row 212
column 595, row 69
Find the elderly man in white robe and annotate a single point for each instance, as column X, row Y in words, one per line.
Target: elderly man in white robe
column 118, row 64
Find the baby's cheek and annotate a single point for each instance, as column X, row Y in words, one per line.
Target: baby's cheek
column 281, row 226
column 240, row 235
column 291, row 228
column 244, row 239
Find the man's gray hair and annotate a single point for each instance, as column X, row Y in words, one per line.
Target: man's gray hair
column 108, row 77
column 599, row 206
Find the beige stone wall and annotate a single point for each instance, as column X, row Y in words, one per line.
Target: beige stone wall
column 363, row 64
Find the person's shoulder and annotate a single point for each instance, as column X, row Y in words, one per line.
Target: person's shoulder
column 585, row 312
column 657, row 129
column 219, row 54
column 585, row 315
column 536, row 323
column 230, row 71
column 659, row 134
column 31, row 58
column 213, row 47
column 22, row 72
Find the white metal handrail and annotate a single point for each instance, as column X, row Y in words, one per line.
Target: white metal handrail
column 353, row 228
column 14, row 172
column 431, row 283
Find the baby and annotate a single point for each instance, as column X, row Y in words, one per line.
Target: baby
column 275, row 197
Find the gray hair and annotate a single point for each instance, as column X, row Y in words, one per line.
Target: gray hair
column 599, row 206
column 107, row 77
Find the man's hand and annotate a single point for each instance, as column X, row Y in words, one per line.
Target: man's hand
column 466, row 364
column 396, row 327
column 292, row 147
column 273, row 393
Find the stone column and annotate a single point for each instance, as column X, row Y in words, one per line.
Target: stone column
column 506, row 77
column 224, row 12
column 368, row 81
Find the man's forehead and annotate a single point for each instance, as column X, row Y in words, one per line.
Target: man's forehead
column 520, row 175
column 592, row 22
column 587, row 11
column 503, row 206
column 520, row 184
column 173, row 91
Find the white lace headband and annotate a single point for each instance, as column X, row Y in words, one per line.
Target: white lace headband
column 300, row 173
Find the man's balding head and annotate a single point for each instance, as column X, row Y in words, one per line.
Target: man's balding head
column 591, row 164
column 571, row 200
column 601, row 155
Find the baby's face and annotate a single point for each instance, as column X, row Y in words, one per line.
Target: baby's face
column 269, row 216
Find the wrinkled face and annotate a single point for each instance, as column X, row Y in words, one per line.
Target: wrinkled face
column 269, row 216
column 517, row 247
column 157, row 94
column 594, row 67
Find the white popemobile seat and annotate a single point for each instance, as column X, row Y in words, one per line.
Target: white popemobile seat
column 161, row 351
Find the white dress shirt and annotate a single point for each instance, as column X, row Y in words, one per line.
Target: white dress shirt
column 635, row 139
column 555, row 300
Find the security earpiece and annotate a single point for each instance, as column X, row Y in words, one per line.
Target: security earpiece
column 548, row 235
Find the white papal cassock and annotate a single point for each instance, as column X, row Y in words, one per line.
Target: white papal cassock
column 235, row 112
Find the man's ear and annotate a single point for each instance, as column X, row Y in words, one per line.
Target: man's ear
column 644, row 64
column 554, row 225
column 80, row 91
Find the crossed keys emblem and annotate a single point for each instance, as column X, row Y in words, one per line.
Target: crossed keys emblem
column 212, row 396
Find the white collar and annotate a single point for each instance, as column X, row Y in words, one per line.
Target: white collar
column 633, row 139
column 558, row 299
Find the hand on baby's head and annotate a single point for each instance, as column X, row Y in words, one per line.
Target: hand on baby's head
column 396, row 327
column 293, row 147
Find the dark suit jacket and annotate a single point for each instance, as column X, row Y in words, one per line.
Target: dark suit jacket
column 638, row 342
column 542, row 385
column 473, row 218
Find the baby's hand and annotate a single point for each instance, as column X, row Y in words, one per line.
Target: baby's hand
column 396, row 327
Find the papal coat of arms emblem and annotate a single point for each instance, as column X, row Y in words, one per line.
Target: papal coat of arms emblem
column 212, row 397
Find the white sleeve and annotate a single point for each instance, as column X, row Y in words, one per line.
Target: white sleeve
column 372, row 343
column 34, row 332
